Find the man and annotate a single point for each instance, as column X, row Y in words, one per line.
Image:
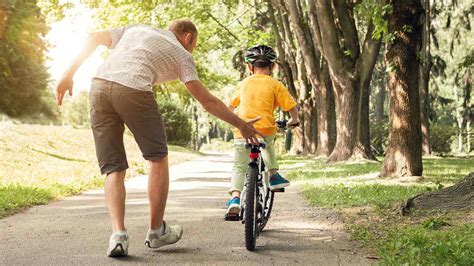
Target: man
column 121, row 94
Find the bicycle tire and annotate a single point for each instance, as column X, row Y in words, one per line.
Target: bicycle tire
column 250, row 212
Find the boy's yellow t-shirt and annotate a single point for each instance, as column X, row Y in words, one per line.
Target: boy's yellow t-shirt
column 260, row 95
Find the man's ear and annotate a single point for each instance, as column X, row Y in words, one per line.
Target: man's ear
column 188, row 38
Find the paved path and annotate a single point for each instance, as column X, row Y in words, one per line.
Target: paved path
column 76, row 230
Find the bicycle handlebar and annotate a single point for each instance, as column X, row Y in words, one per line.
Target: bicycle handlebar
column 283, row 124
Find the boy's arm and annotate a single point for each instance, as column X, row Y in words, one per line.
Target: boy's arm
column 287, row 103
column 93, row 41
column 294, row 119
column 235, row 100
column 234, row 103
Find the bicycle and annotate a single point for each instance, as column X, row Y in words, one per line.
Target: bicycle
column 257, row 196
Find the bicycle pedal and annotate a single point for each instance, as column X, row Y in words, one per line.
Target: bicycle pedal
column 279, row 190
column 232, row 217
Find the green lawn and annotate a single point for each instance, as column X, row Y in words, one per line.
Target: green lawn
column 369, row 207
column 41, row 163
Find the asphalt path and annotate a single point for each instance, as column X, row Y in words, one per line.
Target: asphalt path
column 75, row 230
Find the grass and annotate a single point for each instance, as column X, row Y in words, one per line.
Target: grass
column 369, row 207
column 419, row 245
column 42, row 163
column 341, row 196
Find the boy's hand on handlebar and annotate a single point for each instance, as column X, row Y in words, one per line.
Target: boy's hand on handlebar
column 249, row 133
column 292, row 123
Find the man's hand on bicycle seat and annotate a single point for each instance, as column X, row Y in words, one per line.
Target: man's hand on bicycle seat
column 249, row 133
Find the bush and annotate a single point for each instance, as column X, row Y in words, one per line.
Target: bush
column 441, row 137
column 178, row 126
column 379, row 137
column 76, row 111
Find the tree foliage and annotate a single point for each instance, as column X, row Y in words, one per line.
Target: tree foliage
column 453, row 51
column 23, row 76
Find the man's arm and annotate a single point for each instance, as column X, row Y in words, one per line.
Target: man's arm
column 216, row 107
column 66, row 83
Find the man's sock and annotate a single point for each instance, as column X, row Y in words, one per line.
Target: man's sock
column 160, row 231
column 121, row 233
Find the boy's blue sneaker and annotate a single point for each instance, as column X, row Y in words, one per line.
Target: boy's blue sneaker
column 277, row 182
column 233, row 210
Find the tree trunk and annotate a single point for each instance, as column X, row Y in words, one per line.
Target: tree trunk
column 363, row 148
column 307, row 36
column 365, row 68
column 196, row 128
column 424, row 79
column 403, row 156
column 331, row 115
column 346, row 107
column 283, row 61
column 351, row 67
column 309, row 139
column 379, row 103
column 298, row 143
column 459, row 196
column 325, row 117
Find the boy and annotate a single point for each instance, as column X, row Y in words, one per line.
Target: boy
column 258, row 96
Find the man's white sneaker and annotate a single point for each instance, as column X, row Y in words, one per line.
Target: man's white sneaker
column 118, row 245
column 172, row 235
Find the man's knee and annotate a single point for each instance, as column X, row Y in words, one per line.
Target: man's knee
column 116, row 176
column 159, row 160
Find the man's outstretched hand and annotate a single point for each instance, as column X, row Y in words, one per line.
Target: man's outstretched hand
column 65, row 84
column 249, row 133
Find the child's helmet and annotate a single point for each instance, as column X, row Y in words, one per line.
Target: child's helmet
column 260, row 53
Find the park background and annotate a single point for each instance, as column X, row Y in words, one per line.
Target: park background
column 339, row 61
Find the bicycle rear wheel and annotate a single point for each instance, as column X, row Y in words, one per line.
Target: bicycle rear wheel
column 250, row 211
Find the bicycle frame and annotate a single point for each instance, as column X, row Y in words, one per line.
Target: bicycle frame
column 261, row 204
column 256, row 195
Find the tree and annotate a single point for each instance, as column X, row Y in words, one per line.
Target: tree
column 23, row 76
column 403, row 155
column 457, row 197
column 424, row 78
column 452, row 60
column 351, row 64
column 75, row 111
column 307, row 37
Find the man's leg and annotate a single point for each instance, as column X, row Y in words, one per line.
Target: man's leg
column 115, row 198
column 160, row 233
column 158, row 184
column 140, row 113
column 108, row 128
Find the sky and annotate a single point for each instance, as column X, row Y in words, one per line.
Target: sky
column 66, row 39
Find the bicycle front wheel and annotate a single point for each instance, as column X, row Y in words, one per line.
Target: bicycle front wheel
column 250, row 211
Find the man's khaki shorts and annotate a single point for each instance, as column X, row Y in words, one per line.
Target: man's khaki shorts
column 111, row 106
